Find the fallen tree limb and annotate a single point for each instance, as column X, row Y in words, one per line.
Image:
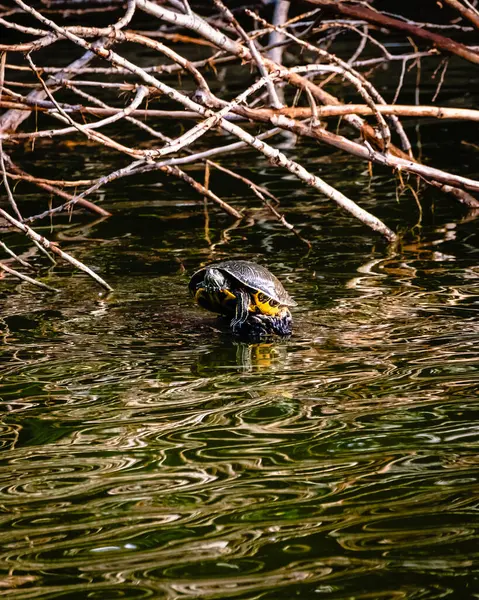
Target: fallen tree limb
column 101, row 104
column 371, row 155
column 26, row 278
column 300, row 112
column 277, row 157
column 377, row 18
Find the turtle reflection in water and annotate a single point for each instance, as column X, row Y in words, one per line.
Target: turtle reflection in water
column 253, row 297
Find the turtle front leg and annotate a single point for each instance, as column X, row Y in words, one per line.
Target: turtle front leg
column 242, row 310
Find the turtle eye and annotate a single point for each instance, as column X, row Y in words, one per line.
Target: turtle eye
column 273, row 303
column 261, row 297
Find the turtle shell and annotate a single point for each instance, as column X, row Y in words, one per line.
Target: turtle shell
column 251, row 275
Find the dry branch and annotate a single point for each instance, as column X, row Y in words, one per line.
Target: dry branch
column 225, row 38
column 26, row 278
column 377, row 18
column 468, row 13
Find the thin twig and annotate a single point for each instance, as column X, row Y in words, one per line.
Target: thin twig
column 26, row 278
column 16, row 257
column 33, row 235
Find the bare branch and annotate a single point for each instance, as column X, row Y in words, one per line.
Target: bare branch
column 26, row 278
column 295, row 100
column 469, row 13
column 361, row 12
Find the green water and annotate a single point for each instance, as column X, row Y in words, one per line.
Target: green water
column 147, row 454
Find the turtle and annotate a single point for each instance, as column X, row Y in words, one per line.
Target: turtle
column 247, row 292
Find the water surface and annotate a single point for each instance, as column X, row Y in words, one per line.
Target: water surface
column 147, row 453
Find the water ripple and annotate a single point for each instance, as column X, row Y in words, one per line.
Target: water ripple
column 142, row 457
